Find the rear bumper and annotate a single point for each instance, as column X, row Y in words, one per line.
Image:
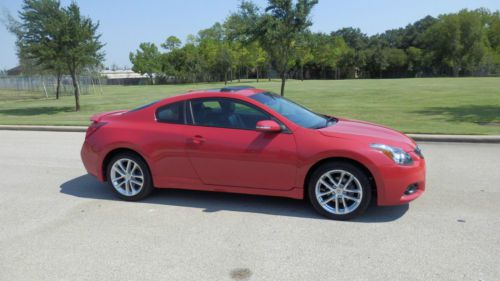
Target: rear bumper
column 91, row 161
column 394, row 181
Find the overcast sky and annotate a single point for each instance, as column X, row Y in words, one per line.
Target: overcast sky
column 126, row 23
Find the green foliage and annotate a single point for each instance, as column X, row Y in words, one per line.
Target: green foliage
column 459, row 43
column 57, row 40
column 253, row 41
column 279, row 28
column 277, row 40
column 171, row 43
column 146, row 60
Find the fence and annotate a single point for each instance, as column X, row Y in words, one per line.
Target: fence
column 46, row 85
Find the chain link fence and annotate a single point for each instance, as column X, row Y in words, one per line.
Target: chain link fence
column 45, row 86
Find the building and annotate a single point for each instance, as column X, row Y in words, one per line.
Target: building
column 123, row 77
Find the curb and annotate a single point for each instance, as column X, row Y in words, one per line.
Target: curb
column 43, row 128
column 455, row 138
column 416, row 137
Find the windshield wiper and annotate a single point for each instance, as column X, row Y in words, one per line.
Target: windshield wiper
column 330, row 121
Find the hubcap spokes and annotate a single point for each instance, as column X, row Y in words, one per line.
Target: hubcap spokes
column 339, row 192
column 127, row 177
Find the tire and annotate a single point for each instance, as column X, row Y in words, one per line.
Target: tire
column 353, row 192
column 125, row 180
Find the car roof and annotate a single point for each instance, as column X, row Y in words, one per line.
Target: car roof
column 237, row 90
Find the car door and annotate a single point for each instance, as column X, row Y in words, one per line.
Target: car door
column 225, row 149
column 166, row 140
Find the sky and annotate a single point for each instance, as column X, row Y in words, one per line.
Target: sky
column 126, row 23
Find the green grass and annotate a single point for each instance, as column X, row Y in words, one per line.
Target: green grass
column 433, row 105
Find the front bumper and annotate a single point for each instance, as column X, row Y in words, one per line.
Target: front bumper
column 394, row 180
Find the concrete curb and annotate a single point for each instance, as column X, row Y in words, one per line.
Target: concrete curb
column 455, row 138
column 416, row 137
column 43, row 128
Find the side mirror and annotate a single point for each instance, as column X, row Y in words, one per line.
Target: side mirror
column 268, row 126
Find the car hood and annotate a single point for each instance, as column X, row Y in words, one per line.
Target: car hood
column 372, row 133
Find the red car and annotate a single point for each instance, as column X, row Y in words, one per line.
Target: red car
column 246, row 140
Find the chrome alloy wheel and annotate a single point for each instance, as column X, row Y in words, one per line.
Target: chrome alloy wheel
column 339, row 192
column 127, row 177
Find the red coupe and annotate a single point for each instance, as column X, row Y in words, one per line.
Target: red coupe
column 246, row 140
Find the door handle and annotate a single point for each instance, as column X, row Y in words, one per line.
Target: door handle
column 198, row 139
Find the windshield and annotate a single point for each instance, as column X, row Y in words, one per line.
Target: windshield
column 293, row 112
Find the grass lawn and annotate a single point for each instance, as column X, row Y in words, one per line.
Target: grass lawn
column 432, row 105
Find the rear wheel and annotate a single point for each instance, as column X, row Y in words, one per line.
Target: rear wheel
column 129, row 177
column 339, row 190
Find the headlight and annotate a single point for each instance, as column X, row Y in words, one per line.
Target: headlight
column 398, row 155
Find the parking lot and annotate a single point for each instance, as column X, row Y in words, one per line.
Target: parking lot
column 57, row 223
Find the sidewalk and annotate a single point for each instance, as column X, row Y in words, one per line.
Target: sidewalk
column 416, row 137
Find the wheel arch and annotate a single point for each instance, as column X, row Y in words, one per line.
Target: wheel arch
column 116, row 151
column 356, row 163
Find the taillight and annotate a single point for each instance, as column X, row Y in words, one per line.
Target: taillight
column 93, row 127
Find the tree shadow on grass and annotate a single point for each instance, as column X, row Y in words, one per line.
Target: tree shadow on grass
column 32, row 111
column 479, row 114
column 87, row 186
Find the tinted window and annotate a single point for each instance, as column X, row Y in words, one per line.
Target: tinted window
column 226, row 113
column 292, row 111
column 171, row 113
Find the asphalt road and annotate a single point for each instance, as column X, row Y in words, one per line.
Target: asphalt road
column 57, row 223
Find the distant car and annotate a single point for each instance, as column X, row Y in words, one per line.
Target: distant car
column 246, row 140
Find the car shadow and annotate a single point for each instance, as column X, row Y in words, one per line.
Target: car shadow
column 87, row 186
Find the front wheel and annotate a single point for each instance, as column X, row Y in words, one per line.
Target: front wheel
column 129, row 177
column 339, row 190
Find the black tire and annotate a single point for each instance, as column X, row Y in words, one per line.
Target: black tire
column 147, row 186
column 354, row 170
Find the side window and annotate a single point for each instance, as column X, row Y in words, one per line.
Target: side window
column 171, row 113
column 226, row 113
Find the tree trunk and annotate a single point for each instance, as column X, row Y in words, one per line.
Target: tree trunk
column 239, row 74
column 257, row 71
column 76, row 86
column 283, row 80
column 302, row 72
column 225, row 77
column 58, row 86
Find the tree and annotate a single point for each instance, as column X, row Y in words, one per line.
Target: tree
column 415, row 60
column 57, row 39
column 80, row 45
column 328, row 51
column 303, row 53
column 458, row 42
column 39, row 38
column 261, row 60
column 171, row 43
column 276, row 29
column 146, row 60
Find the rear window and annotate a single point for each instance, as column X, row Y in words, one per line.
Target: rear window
column 171, row 113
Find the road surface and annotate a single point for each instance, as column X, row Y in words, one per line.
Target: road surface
column 57, row 223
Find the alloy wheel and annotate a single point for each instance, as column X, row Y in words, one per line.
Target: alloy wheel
column 127, row 177
column 339, row 192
